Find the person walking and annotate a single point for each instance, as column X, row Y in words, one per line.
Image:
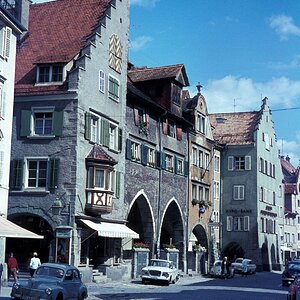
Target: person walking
column 13, row 267
column 225, row 267
column 35, row 262
column 244, row 268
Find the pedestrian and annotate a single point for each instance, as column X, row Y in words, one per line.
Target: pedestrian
column 244, row 268
column 13, row 267
column 35, row 262
column 225, row 267
column 1, row 271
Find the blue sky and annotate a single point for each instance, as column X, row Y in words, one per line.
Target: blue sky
column 240, row 50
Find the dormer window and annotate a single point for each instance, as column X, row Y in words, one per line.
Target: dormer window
column 200, row 123
column 49, row 73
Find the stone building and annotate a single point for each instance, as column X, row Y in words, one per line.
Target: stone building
column 68, row 154
column 251, row 194
column 156, row 158
column 204, row 187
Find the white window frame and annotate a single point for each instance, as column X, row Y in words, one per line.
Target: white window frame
column 5, row 42
column 26, row 177
column 171, row 128
column 169, row 162
column 238, row 192
column 101, row 81
column 113, row 136
column 229, row 223
column 180, row 166
column 151, row 157
column 194, row 156
column 95, row 128
column 2, row 101
column 239, row 163
column 36, row 110
column 136, row 151
column 50, row 74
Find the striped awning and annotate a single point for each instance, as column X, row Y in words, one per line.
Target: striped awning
column 9, row 229
column 112, row 230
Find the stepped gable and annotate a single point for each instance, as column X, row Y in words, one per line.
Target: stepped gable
column 57, row 31
column 234, row 128
column 98, row 154
column 139, row 74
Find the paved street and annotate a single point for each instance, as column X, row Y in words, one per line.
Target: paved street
column 261, row 286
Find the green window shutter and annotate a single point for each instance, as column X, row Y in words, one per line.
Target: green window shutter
column 57, row 122
column 186, row 168
column 104, row 133
column 128, row 149
column 17, row 174
column 120, row 135
column 25, row 123
column 87, row 129
column 53, row 173
column 118, row 179
column 144, row 156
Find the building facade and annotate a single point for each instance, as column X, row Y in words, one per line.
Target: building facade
column 68, row 144
column 156, row 158
column 251, row 197
column 10, row 30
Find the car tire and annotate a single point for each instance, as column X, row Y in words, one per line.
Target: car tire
column 60, row 297
column 82, row 296
column 143, row 281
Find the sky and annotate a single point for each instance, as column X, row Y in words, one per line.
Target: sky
column 239, row 50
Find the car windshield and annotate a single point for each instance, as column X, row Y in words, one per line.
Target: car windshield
column 294, row 267
column 50, row 271
column 239, row 260
column 157, row 263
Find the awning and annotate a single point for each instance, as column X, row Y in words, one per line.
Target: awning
column 285, row 248
column 9, row 229
column 112, row 230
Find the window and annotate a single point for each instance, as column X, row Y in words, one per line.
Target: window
column 100, row 178
column 238, row 192
column 179, row 166
column 113, row 88
column 262, row 165
column 206, row 161
column 5, row 41
column 229, row 223
column 169, row 163
column 217, row 163
column 171, row 128
column 103, row 132
column 194, row 156
column 2, row 101
column 239, row 163
column 35, row 174
column 194, row 192
column 41, row 122
column 151, row 157
column 200, row 159
column 49, row 73
column 136, row 151
column 115, row 53
column 238, row 223
column 101, row 81
column 200, row 123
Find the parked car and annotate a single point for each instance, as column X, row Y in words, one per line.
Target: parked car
column 52, row 281
column 238, row 265
column 294, row 292
column 216, row 270
column 160, row 270
column 292, row 269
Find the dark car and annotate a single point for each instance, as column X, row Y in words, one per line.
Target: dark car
column 52, row 281
column 292, row 269
column 294, row 292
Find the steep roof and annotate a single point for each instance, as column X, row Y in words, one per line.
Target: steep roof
column 97, row 153
column 56, row 33
column 234, row 128
column 155, row 73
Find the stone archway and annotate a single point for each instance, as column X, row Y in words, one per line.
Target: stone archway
column 265, row 257
column 140, row 219
column 172, row 232
column 23, row 251
column 233, row 250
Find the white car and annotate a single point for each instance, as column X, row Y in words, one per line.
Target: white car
column 216, row 270
column 238, row 265
column 160, row 270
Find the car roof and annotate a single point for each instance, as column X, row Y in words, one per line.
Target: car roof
column 57, row 265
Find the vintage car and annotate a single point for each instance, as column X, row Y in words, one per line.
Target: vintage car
column 216, row 270
column 238, row 265
column 160, row 270
column 52, row 281
column 291, row 271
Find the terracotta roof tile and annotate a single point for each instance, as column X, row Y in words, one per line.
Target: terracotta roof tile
column 234, row 128
column 98, row 154
column 57, row 31
column 145, row 74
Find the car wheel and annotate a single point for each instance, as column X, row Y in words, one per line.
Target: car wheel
column 60, row 297
column 82, row 296
column 143, row 281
